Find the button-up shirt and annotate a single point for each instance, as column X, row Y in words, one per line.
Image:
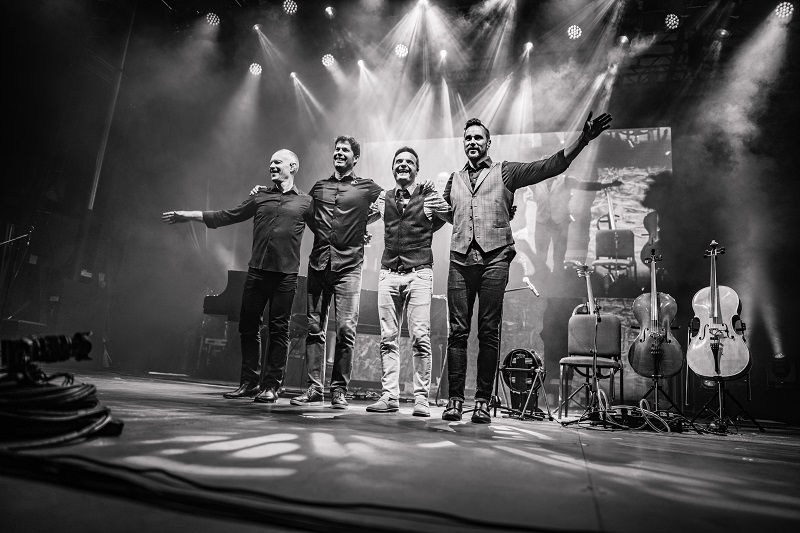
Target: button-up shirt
column 341, row 208
column 279, row 219
column 515, row 176
column 433, row 203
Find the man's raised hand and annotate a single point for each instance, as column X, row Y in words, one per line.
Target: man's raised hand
column 593, row 128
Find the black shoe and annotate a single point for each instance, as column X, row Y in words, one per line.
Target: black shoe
column 453, row 410
column 245, row 390
column 311, row 396
column 268, row 395
column 481, row 413
column 338, row 399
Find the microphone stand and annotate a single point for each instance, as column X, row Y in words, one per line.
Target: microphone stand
column 496, row 403
column 595, row 411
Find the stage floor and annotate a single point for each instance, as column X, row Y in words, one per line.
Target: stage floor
column 188, row 458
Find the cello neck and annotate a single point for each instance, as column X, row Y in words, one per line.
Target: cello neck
column 716, row 311
column 654, row 302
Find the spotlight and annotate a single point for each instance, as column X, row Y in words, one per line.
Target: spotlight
column 443, row 54
column 423, row 3
column 360, row 62
column 255, row 69
column 574, row 32
column 293, row 75
column 672, row 21
column 528, row 46
column 623, row 40
column 721, row 33
column 330, row 12
column 784, row 9
column 401, row 50
column 213, row 19
column 290, row 7
column 257, row 27
column 327, row 60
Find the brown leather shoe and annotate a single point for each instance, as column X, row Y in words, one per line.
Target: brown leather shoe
column 245, row 390
column 453, row 410
column 268, row 395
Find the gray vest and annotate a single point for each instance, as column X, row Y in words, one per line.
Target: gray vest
column 481, row 214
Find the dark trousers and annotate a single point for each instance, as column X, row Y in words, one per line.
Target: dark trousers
column 344, row 288
column 464, row 283
column 262, row 288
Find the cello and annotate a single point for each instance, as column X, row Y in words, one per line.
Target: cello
column 718, row 349
column 655, row 352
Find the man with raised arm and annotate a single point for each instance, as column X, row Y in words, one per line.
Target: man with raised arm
column 481, row 248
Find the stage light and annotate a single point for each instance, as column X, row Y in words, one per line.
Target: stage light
column 423, row 3
column 528, row 46
column 293, row 75
column 574, row 32
column 672, row 21
column 784, row 9
column 443, row 54
column 330, row 12
column 290, row 7
column 213, row 19
column 257, row 27
column 401, row 50
column 623, row 40
column 327, row 60
column 361, row 63
column 255, row 69
column 721, row 33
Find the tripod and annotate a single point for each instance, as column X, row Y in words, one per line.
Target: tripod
column 722, row 421
column 536, row 383
column 655, row 388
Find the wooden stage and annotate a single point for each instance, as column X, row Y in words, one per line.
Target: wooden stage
column 188, row 459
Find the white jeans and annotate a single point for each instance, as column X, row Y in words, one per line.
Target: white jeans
column 405, row 294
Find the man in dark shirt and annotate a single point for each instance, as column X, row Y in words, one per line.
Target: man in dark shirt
column 481, row 248
column 279, row 215
column 341, row 207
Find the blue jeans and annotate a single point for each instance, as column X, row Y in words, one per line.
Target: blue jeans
column 464, row 283
column 399, row 294
column 262, row 287
column 344, row 288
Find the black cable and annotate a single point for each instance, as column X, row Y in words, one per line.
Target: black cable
column 35, row 413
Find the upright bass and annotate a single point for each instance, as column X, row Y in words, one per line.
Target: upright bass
column 718, row 349
column 655, row 352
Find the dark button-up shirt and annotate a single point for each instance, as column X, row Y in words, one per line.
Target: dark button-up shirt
column 279, row 219
column 341, row 208
column 515, row 176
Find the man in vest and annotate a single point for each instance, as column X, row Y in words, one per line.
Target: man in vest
column 481, row 248
column 411, row 216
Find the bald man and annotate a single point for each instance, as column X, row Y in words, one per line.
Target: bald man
column 279, row 218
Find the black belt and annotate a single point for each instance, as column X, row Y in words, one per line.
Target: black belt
column 406, row 270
